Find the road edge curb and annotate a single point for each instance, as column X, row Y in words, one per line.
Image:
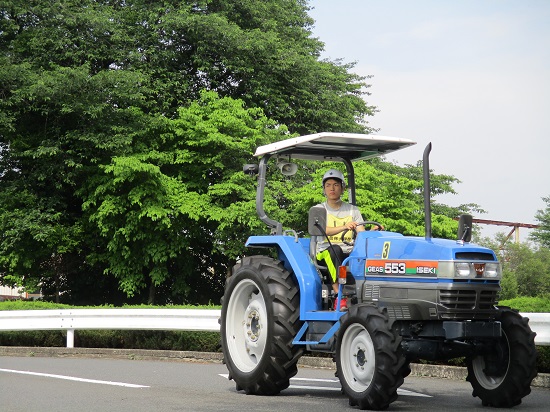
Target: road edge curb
column 423, row 370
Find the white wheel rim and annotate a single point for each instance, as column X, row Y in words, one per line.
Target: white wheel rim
column 357, row 358
column 487, row 381
column 246, row 325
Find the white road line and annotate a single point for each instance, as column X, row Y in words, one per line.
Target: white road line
column 400, row 391
column 315, row 388
column 72, row 378
column 315, row 380
column 405, row 392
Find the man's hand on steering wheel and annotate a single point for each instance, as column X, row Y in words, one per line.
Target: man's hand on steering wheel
column 353, row 226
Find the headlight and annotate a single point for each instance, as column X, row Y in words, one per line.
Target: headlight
column 492, row 270
column 462, row 269
column 446, row 269
column 471, row 270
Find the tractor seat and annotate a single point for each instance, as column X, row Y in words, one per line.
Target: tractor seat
column 323, row 270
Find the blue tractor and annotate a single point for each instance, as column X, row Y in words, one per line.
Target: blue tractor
column 409, row 299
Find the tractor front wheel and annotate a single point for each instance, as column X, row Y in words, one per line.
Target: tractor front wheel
column 503, row 377
column 369, row 359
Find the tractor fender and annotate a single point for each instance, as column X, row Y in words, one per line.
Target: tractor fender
column 294, row 253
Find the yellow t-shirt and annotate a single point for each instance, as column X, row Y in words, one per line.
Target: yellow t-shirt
column 339, row 217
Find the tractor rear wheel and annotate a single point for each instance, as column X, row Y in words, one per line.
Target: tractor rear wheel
column 503, row 377
column 259, row 320
column 369, row 359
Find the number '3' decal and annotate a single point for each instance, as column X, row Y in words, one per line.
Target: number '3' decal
column 386, row 250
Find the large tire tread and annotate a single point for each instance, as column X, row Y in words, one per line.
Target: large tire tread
column 279, row 362
column 391, row 365
column 516, row 383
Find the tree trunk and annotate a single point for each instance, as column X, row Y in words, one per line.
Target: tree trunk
column 151, row 299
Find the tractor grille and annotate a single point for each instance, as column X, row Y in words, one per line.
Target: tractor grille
column 458, row 299
column 488, row 299
column 469, row 299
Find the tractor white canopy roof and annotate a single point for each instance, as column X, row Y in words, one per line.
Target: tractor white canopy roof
column 333, row 146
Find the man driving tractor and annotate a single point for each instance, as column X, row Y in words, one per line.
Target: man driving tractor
column 341, row 216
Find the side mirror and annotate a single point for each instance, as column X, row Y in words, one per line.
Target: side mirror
column 465, row 228
column 317, row 221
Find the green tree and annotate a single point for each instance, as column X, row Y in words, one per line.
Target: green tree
column 87, row 90
column 532, row 269
column 525, row 268
column 258, row 51
column 387, row 193
column 542, row 233
column 52, row 143
column 159, row 211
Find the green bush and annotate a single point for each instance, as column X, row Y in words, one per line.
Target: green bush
column 528, row 304
column 117, row 339
column 148, row 339
column 45, row 338
column 31, row 305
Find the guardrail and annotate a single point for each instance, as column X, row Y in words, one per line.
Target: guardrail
column 159, row 319
column 112, row 319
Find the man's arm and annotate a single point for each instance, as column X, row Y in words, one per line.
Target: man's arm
column 331, row 231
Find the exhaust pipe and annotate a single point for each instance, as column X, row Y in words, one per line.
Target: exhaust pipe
column 427, row 191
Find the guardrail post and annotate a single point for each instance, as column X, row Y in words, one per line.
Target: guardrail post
column 70, row 338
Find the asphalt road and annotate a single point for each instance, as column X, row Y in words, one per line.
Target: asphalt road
column 83, row 384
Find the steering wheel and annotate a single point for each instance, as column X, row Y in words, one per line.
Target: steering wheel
column 379, row 227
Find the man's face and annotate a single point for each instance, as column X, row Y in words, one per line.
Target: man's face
column 333, row 189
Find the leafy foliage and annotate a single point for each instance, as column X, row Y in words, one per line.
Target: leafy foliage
column 387, row 193
column 103, row 173
column 530, row 267
column 542, row 233
column 525, row 268
column 528, row 304
column 159, row 210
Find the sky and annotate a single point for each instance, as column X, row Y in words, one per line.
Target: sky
column 470, row 76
